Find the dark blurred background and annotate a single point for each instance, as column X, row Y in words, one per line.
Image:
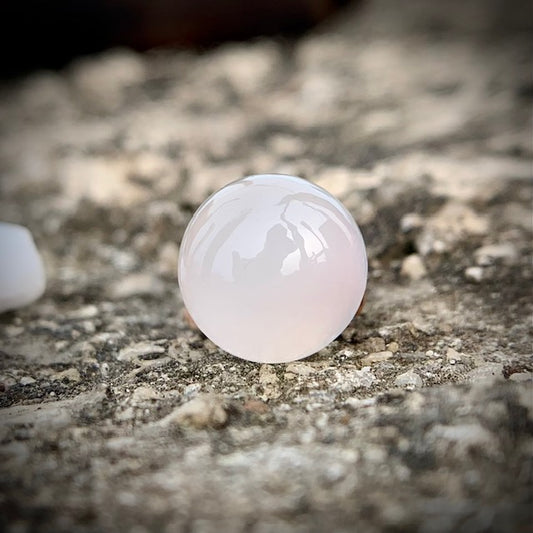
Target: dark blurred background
column 48, row 34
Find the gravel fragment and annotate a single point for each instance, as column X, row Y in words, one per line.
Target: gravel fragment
column 269, row 380
column 488, row 372
column 144, row 393
column 409, row 379
column 351, row 380
column 204, row 411
column 139, row 349
column 486, row 255
column 453, row 356
column 474, row 273
column 413, row 267
column 376, row 357
column 300, row 369
column 520, row 377
column 71, row 374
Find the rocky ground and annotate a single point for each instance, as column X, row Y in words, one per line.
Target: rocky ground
column 117, row 416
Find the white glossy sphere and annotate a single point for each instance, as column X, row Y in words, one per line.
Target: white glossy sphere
column 22, row 276
column 272, row 268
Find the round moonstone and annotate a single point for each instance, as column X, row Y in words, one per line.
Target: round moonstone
column 272, row 268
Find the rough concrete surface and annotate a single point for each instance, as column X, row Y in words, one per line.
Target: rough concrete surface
column 117, row 416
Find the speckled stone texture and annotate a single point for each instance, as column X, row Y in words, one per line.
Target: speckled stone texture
column 117, row 416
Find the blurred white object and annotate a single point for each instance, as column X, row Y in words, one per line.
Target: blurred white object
column 22, row 277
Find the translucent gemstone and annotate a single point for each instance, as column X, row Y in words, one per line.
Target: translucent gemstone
column 22, row 277
column 272, row 268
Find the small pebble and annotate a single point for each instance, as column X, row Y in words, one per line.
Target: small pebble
column 300, row 369
column 85, row 312
column 256, row 406
column 376, row 357
column 453, row 356
column 413, row 267
column 486, row 372
column 139, row 349
column 457, row 344
column 411, row 221
column 409, row 379
column 144, row 393
column 192, row 390
column 206, row 410
column 486, row 255
column 351, row 380
column 393, row 347
column 521, row 376
column 71, row 374
column 373, row 344
column 474, row 273
column 269, row 380
column 168, row 259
